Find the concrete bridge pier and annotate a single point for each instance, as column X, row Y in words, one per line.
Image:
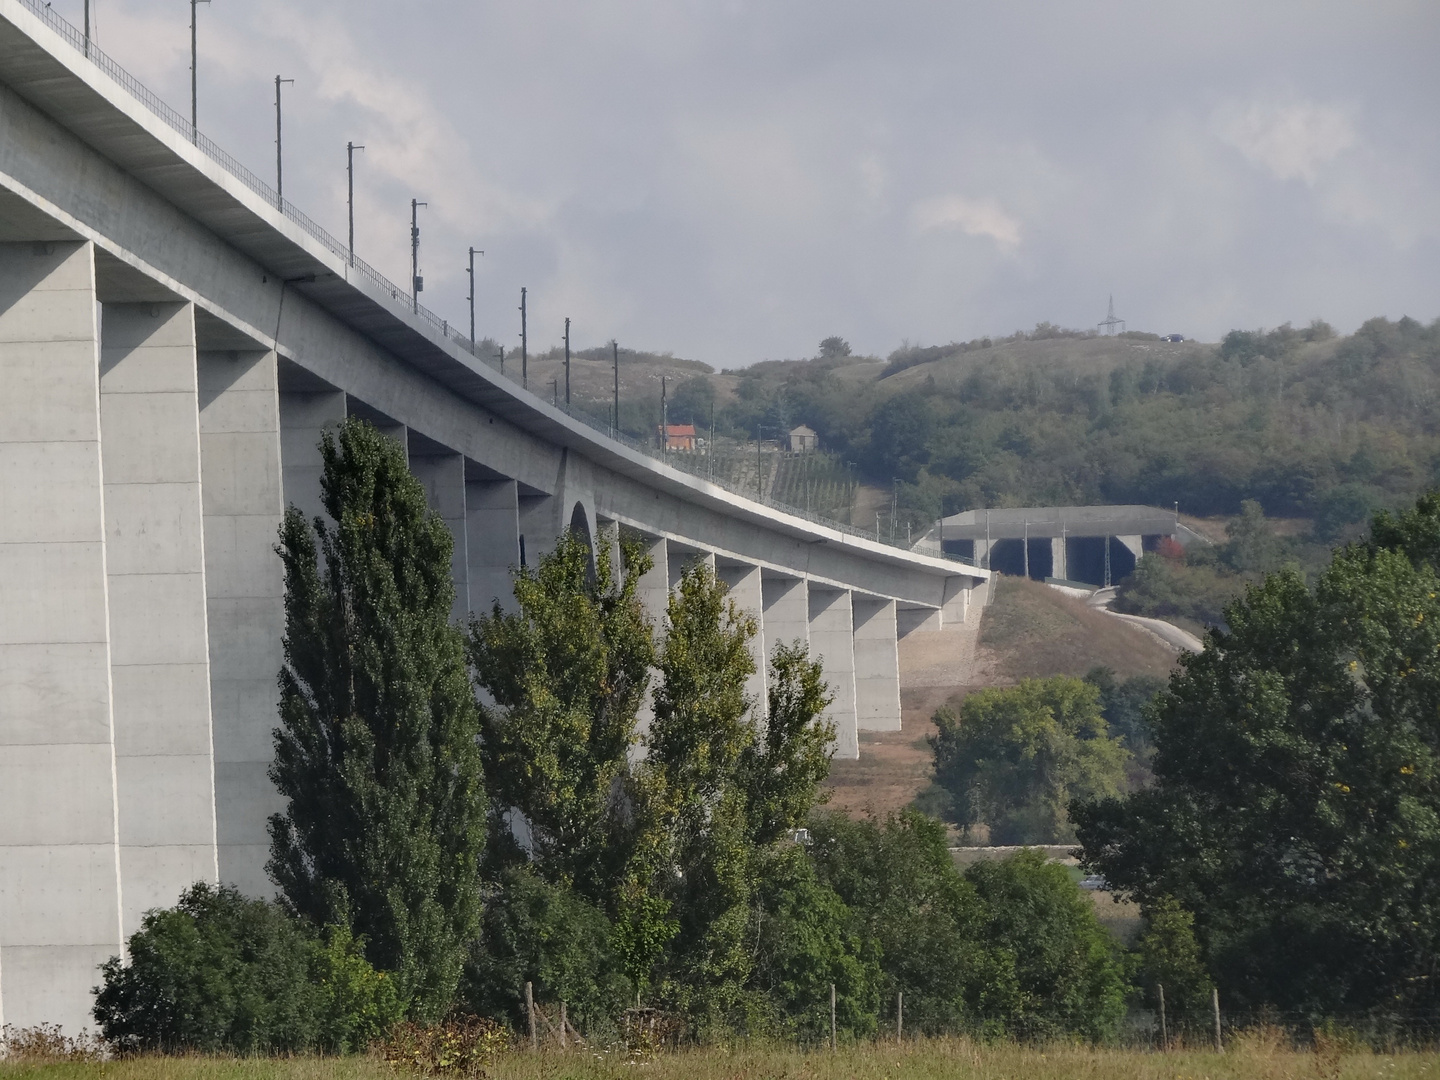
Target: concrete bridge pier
column 305, row 415
column 243, row 501
column 492, row 548
column 746, row 590
column 155, row 584
column 59, row 827
column 832, row 641
column 442, row 473
column 877, row 664
column 1058, row 561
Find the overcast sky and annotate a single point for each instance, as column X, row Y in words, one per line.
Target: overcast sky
column 733, row 181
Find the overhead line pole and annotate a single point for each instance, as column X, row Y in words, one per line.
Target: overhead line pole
column 524, row 344
column 350, row 149
column 87, row 29
column 279, row 174
column 567, row 360
column 615, row 353
column 473, row 253
column 194, row 76
column 417, row 283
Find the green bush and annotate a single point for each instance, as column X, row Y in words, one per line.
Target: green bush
column 1011, row 947
column 1066, row 975
column 220, row 973
column 550, row 936
column 806, row 940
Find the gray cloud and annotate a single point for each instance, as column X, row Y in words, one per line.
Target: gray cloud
column 735, row 180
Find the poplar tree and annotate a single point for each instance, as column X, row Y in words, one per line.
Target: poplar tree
column 704, row 722
column 375, row 753
column 565, row 675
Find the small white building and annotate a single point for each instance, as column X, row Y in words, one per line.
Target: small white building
column 803, row 439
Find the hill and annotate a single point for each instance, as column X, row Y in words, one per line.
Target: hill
column 1029, row 630
column 1308, row 423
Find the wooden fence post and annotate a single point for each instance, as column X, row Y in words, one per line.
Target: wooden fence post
column 1164, row 1032
column 833, row 1043
column 899, row 1015
column 1215, row 1004
column 562, row 1026
column 530, row 1015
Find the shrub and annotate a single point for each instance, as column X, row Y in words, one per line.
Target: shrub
column 221, row 973
column 461, row 1046
column 1065, row 972
column 806, row 940
column 548, row 935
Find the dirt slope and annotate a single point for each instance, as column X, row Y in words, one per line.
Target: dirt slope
column 1029, row 631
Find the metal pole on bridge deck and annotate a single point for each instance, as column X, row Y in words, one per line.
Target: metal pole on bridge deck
column 279, row 174
column 524, row 344
column 417, row 283
column 615, row 353
column 194, row 78
column 567, row 360
column 350, row 149
column 473, row 253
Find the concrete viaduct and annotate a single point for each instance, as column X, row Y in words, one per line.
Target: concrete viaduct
column 173, row 341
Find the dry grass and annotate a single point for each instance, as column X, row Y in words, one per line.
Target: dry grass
column 1036, row 631
column 1258, row 1056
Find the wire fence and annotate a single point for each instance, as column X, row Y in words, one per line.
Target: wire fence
column 404, row 301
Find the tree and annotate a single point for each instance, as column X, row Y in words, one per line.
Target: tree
column 1295, row 809
column 223, row 974
column 1169, row 957
column 834, row 347
column 911, row 907
column 1014, row 758
column 703, row 723
column 1063, row 971
column 806, row 940
column 1251, row 544
column 375, row 753
column 545, row 934
column 565, row 675
column 782, row 768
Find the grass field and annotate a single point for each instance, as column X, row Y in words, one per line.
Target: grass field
column 1253, row 1057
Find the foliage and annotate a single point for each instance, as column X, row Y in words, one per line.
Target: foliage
column 47, row 1044
column 375, row 753
column 1296, row 419
column 703, row 723
column 565, row 675
column 782, row 768
column 1294, row 810
column 1015, row 757
column 916, row 914
column 459, row 1046
column 543, row 933
column 1169, row 956
column 805, row 941
column 1178, row 587
column 1011, row 947
column 219, row 973
column 1064, row 972
column 662, row 849
column 1123, row 703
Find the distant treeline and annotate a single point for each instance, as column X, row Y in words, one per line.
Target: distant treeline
column 1306, row 422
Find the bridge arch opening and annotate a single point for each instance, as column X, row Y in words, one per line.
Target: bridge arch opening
column 580, row 527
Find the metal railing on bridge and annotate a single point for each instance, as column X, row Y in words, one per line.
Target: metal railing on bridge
column 694, row 464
